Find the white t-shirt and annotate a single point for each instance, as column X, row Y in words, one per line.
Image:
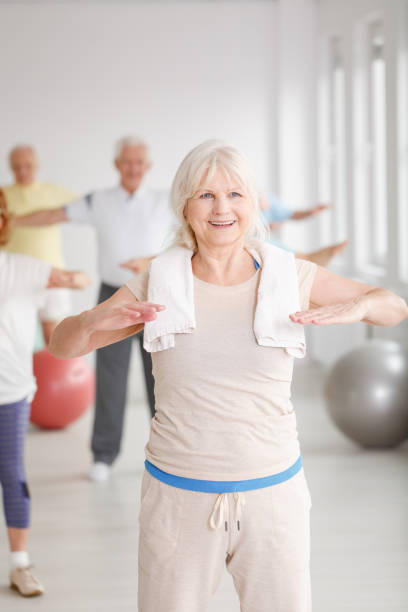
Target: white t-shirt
column 23, row 280
column 127, row 226
column 223, row 407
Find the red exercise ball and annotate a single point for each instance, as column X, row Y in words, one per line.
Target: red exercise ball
column 65, row 389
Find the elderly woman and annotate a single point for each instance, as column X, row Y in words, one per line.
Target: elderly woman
column 223, row 314
column 23, row 281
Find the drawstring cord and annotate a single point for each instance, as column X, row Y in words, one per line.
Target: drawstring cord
column 239, row 504
column 219, row 512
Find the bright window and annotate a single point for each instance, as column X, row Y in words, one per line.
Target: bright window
column 403, row 160
column 377, row 234
column 337, row 143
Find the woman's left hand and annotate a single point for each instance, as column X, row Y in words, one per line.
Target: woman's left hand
column 345, row 312
column 343, row 300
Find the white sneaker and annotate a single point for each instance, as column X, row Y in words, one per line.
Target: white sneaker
column 99, row 472
column 23, row 581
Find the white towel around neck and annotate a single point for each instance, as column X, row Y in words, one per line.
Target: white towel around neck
column 171, row 282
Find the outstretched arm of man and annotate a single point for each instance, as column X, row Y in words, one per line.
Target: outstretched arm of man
column 41, row 217
column 137, row 265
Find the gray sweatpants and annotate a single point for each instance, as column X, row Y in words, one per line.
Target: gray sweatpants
column 112, row 368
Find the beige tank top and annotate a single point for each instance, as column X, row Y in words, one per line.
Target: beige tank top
column 223, row 408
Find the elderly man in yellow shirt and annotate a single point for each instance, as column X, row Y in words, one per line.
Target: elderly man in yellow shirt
column 28, row 195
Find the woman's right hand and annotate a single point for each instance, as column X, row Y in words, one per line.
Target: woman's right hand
column 119, row 317
column 113, row 316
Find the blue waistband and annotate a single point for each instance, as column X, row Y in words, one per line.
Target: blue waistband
column 223, row 486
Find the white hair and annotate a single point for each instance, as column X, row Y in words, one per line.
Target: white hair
column 130, row 141
column 203, row 161
column 21, row 147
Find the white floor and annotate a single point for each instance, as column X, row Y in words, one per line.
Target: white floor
column 84, row 537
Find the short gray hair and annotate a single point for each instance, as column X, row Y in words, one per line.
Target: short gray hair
column 206, row 159
column 130, row 141
column 21, row 147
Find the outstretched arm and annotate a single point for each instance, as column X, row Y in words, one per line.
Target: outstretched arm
column 41, row 217
column 117, row 318
column 340, row 300
column 277, row 212
column 62, row 279
column 298, row 215
column 137, row 265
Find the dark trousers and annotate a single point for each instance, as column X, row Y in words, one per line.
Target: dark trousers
column 112, row 368
column 14, row 419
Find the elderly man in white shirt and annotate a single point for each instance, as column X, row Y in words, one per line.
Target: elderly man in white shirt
column 132, row 224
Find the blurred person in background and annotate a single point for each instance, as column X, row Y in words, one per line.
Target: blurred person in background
column 23, row 283
column 132, row 224
column 275, row 213
column 24, row 196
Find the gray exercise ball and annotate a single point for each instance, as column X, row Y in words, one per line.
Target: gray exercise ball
column 367, row 394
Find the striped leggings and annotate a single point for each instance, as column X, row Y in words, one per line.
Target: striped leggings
column 13, row 428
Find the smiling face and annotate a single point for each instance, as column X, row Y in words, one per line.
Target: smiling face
column 220, row 212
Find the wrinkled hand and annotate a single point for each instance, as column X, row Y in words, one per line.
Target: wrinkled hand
column 125, row 314
column 347, row 312
column 137, row 265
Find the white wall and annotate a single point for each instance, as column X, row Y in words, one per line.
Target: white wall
column 76, row 76
column 296, row 117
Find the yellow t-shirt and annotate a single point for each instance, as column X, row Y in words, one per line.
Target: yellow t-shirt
column 41, row 242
